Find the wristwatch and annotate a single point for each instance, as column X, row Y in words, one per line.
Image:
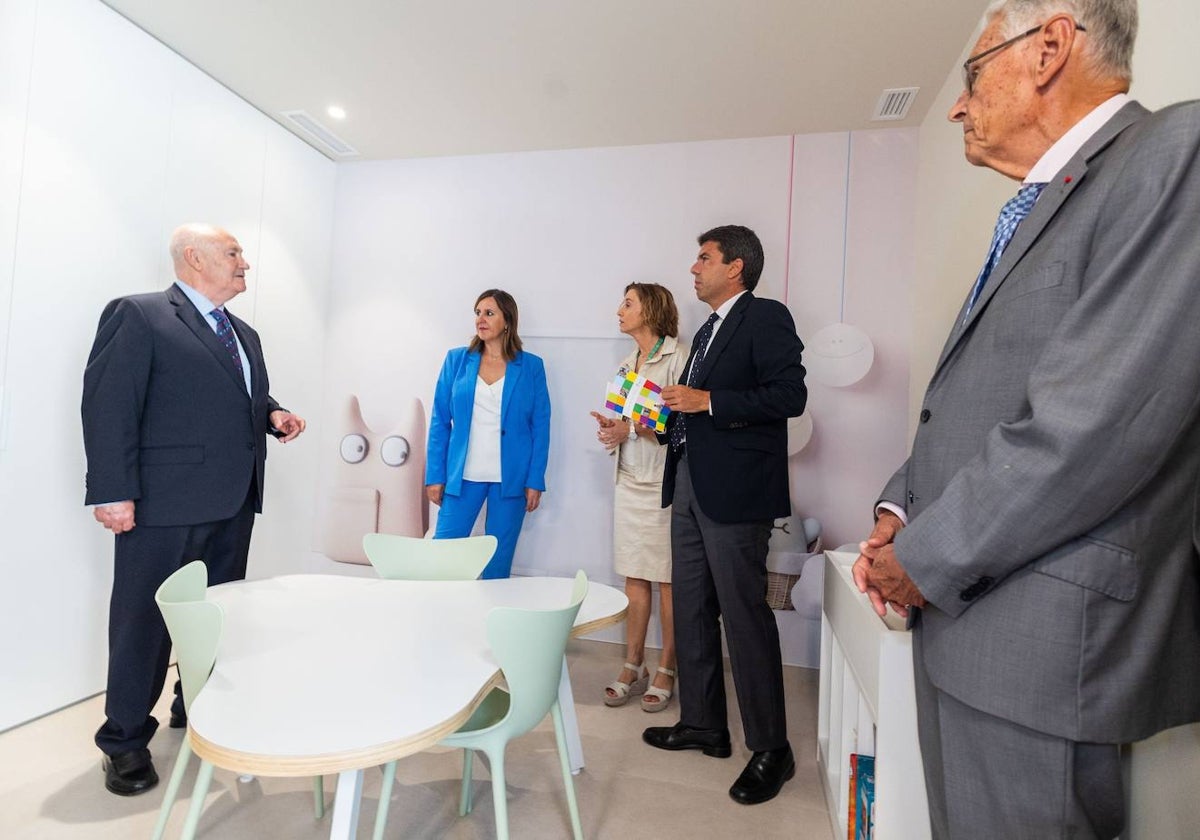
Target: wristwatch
column 632, row 431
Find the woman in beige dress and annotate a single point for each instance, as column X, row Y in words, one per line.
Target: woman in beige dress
column 642, row 527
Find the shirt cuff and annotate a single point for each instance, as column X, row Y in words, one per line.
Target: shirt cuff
column 891, row 508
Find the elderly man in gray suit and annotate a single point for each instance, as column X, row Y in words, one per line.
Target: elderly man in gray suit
column 1043, row 533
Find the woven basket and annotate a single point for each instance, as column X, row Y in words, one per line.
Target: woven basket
column 779, row 585
column 779, row 590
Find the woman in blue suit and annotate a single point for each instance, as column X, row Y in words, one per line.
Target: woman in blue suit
column 489, row 434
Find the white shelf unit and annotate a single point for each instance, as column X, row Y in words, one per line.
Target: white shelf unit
column 868, row 706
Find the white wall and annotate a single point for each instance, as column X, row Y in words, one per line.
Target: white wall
column 854, row 448
column 108, row 140
column 415, row 241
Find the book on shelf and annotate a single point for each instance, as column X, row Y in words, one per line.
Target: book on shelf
column 864, row 797
column 850, row 826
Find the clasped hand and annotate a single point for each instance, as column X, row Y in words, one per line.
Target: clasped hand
column 879, row 574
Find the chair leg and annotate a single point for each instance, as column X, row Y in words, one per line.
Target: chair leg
column 564, row 760
column 385, row 798
column 319, row 796
column 499, row 792
column 464, row 802
column 181, row 763
column 203, row 779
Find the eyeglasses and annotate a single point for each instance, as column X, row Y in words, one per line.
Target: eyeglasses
column 970, row 72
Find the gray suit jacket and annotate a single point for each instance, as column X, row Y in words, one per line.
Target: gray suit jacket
column 1053, row 485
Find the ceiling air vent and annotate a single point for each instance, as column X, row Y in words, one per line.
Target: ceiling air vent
column 321, row 136
column 894, row 103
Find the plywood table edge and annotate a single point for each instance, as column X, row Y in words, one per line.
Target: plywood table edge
column 329, row 763
column 599, row 623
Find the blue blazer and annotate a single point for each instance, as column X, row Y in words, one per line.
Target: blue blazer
column 524, row 423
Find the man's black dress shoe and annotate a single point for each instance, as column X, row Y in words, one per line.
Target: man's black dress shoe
column 764, row 776
column 714, row 742
column 129, row 773
column 178, row 720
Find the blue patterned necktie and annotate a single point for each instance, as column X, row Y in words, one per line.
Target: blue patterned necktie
column 1011, row 214
column 701, row 345
column 225, row 333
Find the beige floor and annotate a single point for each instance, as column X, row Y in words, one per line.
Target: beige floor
column 51, row 784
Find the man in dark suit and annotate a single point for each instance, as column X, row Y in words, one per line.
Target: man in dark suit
column 176, row 411
column 726, row 479
column 1045, row 525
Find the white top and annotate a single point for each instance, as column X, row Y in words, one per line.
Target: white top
column 483, row 444
column 324, row 673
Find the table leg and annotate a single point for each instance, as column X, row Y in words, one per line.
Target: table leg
column 566, row 702
column 344, row 824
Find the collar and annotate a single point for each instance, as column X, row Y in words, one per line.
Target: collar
column 723, row 310
column 203, row 305
column 1065, row 148
column 670, row 345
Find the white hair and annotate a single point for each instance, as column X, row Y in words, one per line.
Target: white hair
column 194, row 235
column 1111, row 27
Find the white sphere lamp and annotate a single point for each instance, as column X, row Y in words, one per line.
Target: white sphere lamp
column 800, row 431
column 839, row 355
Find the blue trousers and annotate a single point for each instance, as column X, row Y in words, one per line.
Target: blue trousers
column 504, row 517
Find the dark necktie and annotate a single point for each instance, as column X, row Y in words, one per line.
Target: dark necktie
column 1011, row 214
column 225, row 333
column 701, row 344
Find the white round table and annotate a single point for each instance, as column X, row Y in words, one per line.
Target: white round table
column 319, row 674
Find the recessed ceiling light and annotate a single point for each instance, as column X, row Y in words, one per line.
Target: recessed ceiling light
column 336, row 111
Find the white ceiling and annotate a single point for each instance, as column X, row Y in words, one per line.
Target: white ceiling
column 454, row 77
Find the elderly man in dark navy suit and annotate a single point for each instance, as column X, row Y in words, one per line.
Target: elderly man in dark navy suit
column 176, row 411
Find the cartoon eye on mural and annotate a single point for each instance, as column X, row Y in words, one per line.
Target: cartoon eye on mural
column 377, row 483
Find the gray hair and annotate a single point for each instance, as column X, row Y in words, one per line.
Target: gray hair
column 1111, row 27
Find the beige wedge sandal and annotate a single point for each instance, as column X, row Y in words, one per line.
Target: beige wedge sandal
column 623, row 690
column 656, row 699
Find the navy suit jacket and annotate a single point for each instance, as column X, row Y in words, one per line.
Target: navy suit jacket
column 167, row 421
column 524, row 423
column 737, row 454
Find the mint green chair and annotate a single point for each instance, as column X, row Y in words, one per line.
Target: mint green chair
column 414, row 558
column 195, row 627
column 529, row 645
